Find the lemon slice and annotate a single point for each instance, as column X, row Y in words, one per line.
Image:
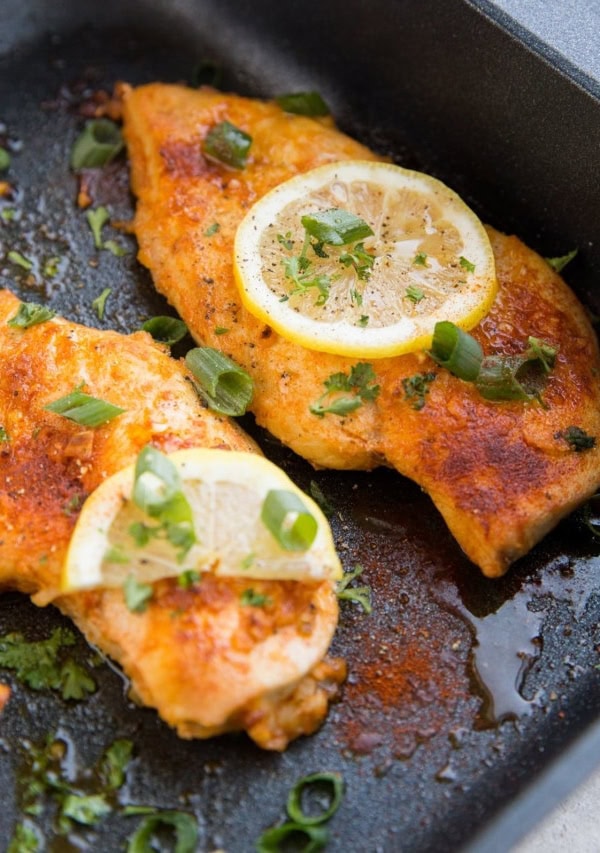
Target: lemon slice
column 226, row 492
column 428, row 258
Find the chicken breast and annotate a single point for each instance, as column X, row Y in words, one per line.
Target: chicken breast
column 204, row 661
column 501, row 474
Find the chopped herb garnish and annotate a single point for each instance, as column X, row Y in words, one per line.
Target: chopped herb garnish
column 221, row 330
column 188, row 578
column 20, row 260
column 414, row 293
column 466, row 265
column 4, row 436
column 308, row 839
column 99, row 303
column 87, row 810
column 288, row 519
column 303, row 103
column 97, row 219
column 228, row 144
column 84, row 409
column 76, row 682
column 137, row 595
column 416, row 388
column 286, row 240
column 558, row 264
column 360, row 594
column 98, row 144
column 361, row 260
column 114, row 763
column 333, row 785
column 50, row 269
column 456, row 350
column 222, row 384
column 184, row 826
column 360, row 382
column 420, row 259
column 363, row 320
column 577, row 438
column 336, row 227
column 4, row 159
column 30, row 314
column 166, row 330
column 250, row 598
column 114, row 248
column 8, row 214
column 319, row 498
column 38, row 664
column 212, row 229
column 248, row 561
column 25, row 839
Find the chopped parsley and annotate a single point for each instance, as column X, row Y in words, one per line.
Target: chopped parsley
column 250, row 598
column 30, row 314
column 577, row 439
column 114, row 763
column 87, row 810
column 286, row 240
column 361, row 260
column 188, row 578
column 416, row 388
column 228, row 144
column 99, row 303
column 360, row 594
column 558, row 264
column 360, row 383
column 466, row 265
column 414, row 293
column 221, row 330
column 97, row 219
column 212, row 229
column 363, row 320
column 20, row 260
column 50, row 269
column 4, row 159
column 420, row 259
column 4, row 436
column 137, row 595
column 41, row 665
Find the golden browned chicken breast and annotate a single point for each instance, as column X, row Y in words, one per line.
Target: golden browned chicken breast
column 502, row 474
column 204, row 661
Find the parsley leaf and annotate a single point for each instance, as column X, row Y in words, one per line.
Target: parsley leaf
column 250, row 598
column 99, row 303
column 114, row 763
column 76, row 683
column 577, row 438
column 360, row 382
column 30, row 314
column 360, row 594
column 137, row 595
column 414, row 293
column 558, row 264
column 416, row 388
column 97, row 219
column 87, row 810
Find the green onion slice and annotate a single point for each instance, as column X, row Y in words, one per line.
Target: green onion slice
column 498, row 380
column 20, row 260
column 314, row 837
column 224, row 385
column 30, row 314
column 334, row 785
column 336, row 227
column 457, row 351
column 166, row 330
column 158, row 490
column 83, row 409
column 292, row 525
column 98, row 144
column 99, row 303
column 303, row 103
column 4, row 159
column 228, row 144
column 184, row 826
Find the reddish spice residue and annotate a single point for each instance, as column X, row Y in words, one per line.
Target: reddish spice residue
column 185, row 160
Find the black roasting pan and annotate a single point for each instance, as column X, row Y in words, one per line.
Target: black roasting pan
column 462, row 691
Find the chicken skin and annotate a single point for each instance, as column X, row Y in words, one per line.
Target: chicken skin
column 501, row 473
column 207, row 663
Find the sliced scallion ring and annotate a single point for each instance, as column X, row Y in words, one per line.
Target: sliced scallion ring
column 336, row 227
column 335, row 790
column 456, row 350
column 223, row 384
column 184, row 826
column 98, row 144
column 228, row 144
column 292, row 525
column 272, row 839
column 166, row 330
column 303, row 103
column 84, row 409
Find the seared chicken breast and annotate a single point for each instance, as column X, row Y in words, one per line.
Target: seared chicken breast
column 501, row 474
column 204, row 661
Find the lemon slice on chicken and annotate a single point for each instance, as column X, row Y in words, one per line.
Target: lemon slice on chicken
column 362, row 258
column 195, row 511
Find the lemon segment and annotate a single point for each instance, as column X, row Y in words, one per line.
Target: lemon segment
column 226, row 491
column 428, row 259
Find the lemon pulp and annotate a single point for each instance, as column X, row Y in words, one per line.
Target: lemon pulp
column 429, row 259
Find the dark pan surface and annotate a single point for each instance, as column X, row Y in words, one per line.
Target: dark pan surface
column 425, row 759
